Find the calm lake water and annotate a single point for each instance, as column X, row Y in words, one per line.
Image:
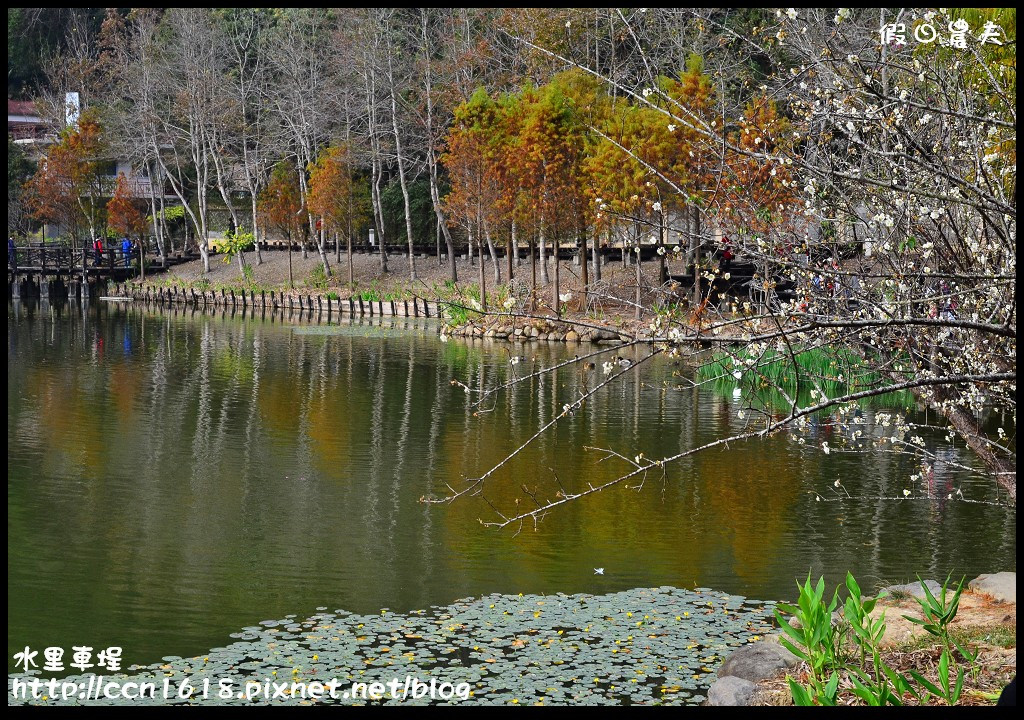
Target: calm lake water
column 173, row 477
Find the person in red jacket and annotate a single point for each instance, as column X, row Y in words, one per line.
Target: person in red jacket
column 727, row 255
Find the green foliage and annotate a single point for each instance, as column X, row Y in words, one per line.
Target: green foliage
column 371, row 294
column 318, row 277
column 233, row 243
column 835, row 371
column 19, row 168
column 938, row 615
column 421, row 210
column 819, row 642
column 816, row 642
column 36, row 35
column 882, row 685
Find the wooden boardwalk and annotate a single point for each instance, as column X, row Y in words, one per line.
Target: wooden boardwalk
column 54, row 272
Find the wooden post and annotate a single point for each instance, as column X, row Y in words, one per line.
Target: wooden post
column 142, row 261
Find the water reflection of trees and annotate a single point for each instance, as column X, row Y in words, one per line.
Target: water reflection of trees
column 221, row 471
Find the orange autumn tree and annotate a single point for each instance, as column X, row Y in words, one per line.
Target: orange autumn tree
column 696, row 163
column 546, row 164
column 335, row 195
column 761, row 193
column 123, row 217
column 473, row 160
column 280, row 206
column 330, row 195
column 66, row 185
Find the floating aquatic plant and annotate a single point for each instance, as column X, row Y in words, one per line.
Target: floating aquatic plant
column 642, row 646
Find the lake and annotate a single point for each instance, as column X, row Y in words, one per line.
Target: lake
column 175, row 476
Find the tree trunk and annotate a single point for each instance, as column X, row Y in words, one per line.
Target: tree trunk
column 512, row 251
column 555, row 300
column 435, row 197
column 401, row 170
column 291, row 282
column 662, row 250
column 256, row 230
column 322, row 246
column 637, row 262
column 533, row 275
column 351, row 281
column 543, row 256
column 695, row 214
column 378, row 212
column 493, row 253
column 156, row 217
column 584, row 266
column 967, row 427
column 483, row 274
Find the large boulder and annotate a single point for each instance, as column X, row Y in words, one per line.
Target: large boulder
column 757, row 661
column 1001, row 586
column 731, row 691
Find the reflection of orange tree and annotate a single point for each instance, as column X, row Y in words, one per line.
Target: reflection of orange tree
column 657, row 522
column 280, row 409
column 64, row 410
column 750, row 489
column 123, row 385
column 330, row 429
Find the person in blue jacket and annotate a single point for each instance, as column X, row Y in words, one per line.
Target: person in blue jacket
column 126, row 251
